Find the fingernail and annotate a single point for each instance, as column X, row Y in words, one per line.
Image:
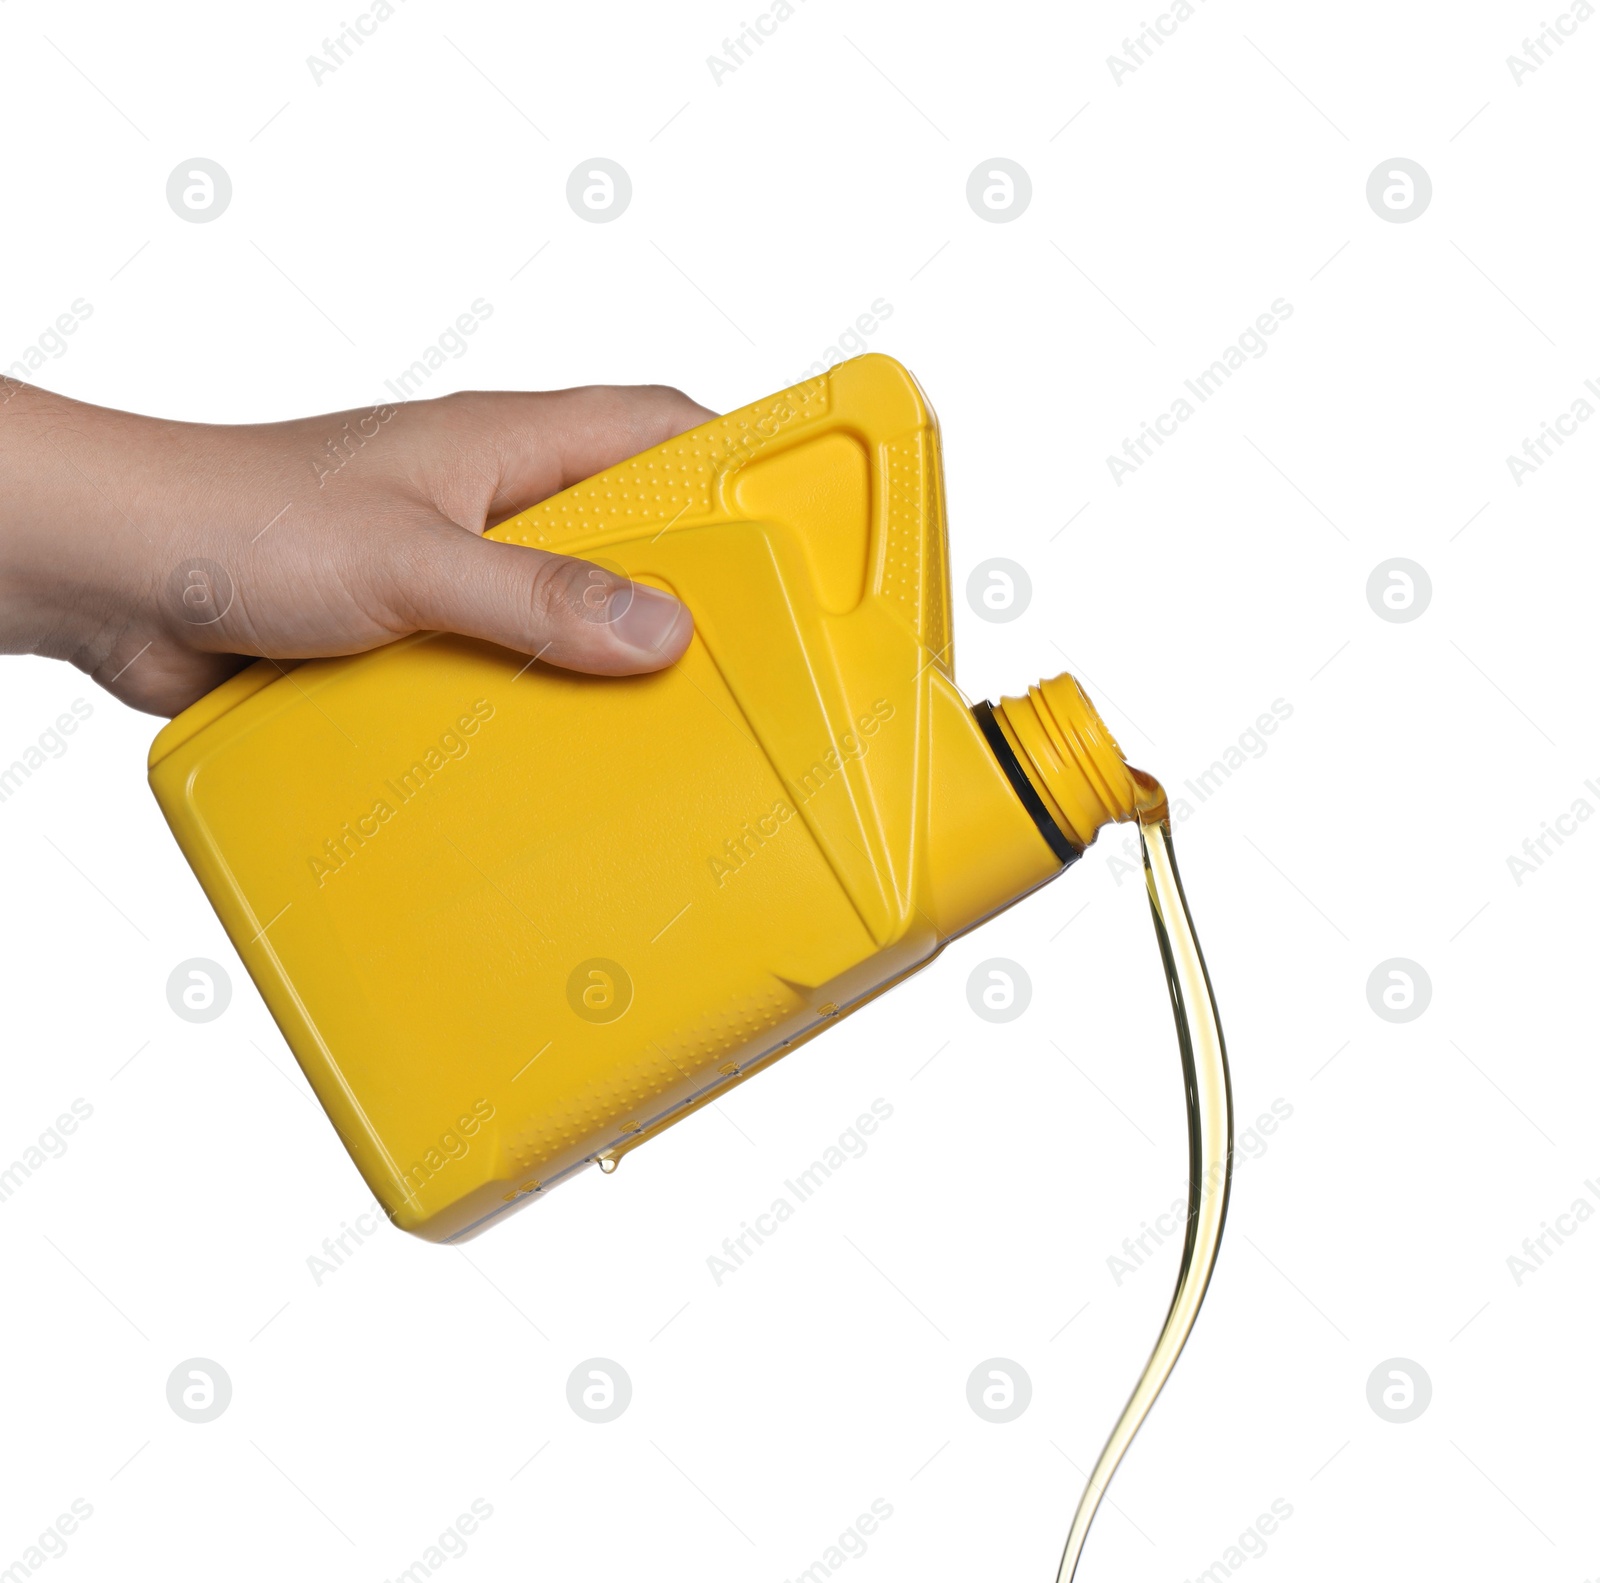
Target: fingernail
column 644, row 617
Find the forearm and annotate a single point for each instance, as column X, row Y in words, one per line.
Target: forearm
column 47, row 573
column 90, row 501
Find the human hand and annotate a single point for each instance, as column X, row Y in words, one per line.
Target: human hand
column 321, row 549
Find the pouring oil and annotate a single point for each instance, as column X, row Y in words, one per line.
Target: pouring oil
column 1208, row 1099
column 807, row 532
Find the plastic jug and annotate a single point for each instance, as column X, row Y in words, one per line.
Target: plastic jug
column 513, row 921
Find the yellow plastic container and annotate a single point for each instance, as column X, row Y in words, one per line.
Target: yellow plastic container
column 513, row 921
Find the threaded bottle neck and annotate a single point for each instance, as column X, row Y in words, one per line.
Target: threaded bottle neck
column 1071, row 759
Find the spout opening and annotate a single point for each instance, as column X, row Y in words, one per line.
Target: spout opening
column 1070, row 757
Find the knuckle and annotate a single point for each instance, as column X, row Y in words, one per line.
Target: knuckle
column 668, row 411
column 566, row 591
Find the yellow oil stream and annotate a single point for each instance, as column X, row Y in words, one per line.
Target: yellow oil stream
column 1209, row 1101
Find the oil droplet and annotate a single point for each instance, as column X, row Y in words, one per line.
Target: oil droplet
column 608, row 1163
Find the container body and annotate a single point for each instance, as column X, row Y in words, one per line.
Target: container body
column 513, row 921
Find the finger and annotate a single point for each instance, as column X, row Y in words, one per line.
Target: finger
column 564, row 611
column 543, row 441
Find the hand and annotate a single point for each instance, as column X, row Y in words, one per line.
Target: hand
column 322, row 550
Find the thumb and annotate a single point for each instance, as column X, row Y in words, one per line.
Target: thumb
column 561, row 610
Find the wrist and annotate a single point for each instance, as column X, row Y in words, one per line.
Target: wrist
column 81, row 531
column 40, row 609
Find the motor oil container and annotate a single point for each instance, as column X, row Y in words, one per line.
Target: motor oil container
column 513, row 921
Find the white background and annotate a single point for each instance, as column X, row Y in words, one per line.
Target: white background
column 768, row 212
